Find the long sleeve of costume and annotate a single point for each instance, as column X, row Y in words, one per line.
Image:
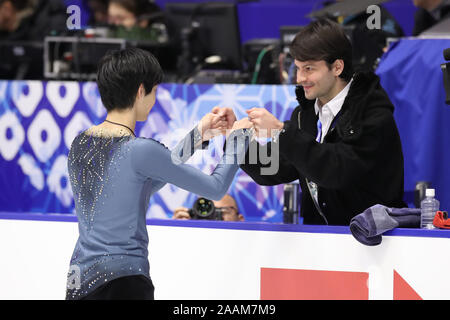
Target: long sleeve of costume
column 152, row 160
column 186, row 147
column 183, row 151
column 255, row 167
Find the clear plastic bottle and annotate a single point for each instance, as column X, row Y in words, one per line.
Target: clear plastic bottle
column 428, row 208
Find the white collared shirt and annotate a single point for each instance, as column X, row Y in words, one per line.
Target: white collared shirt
column 329, row 110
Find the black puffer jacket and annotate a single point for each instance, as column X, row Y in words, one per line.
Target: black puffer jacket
column 359, row 163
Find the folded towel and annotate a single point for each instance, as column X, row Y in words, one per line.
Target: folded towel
column 441, row 220
column 367, row 227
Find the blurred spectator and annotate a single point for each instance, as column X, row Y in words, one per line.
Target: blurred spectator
column 99, row 12
column 429, row 13
column 137, row 20
column 31, row 19
column 230, row 211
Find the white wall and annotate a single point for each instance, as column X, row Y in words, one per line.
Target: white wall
column 201, row 263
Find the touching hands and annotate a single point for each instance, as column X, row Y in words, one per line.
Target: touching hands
column 216, row 123
column 227, row 114
column 230, row 118
column 263, row 121
column 212, row 125
column 221, row 120
column 244, row 123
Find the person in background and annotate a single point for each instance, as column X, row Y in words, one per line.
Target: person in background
column 341, row 142
column 429, row 13
column 230, row 211
column 31, row 20
column 137, row 20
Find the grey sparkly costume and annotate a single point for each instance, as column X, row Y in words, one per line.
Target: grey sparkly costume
column 112, row 179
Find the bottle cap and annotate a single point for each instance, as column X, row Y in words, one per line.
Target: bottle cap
column 429, row 193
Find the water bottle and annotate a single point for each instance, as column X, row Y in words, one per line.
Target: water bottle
column 428, row 208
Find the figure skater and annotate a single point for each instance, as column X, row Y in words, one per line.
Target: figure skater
column 113, row 174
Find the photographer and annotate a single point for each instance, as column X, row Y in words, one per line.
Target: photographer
column 139, row 20
column 227, row 206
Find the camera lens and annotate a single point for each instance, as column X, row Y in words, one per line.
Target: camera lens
column 203, row 208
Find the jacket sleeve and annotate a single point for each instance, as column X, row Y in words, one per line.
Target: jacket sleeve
column 183, row 151
column 187, row 147
column 265, row 165
column 344, row 163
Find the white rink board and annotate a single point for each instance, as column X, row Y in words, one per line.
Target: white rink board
column 220, row 264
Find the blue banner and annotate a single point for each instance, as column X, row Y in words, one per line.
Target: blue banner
column 411, row 74
column 39, row 120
